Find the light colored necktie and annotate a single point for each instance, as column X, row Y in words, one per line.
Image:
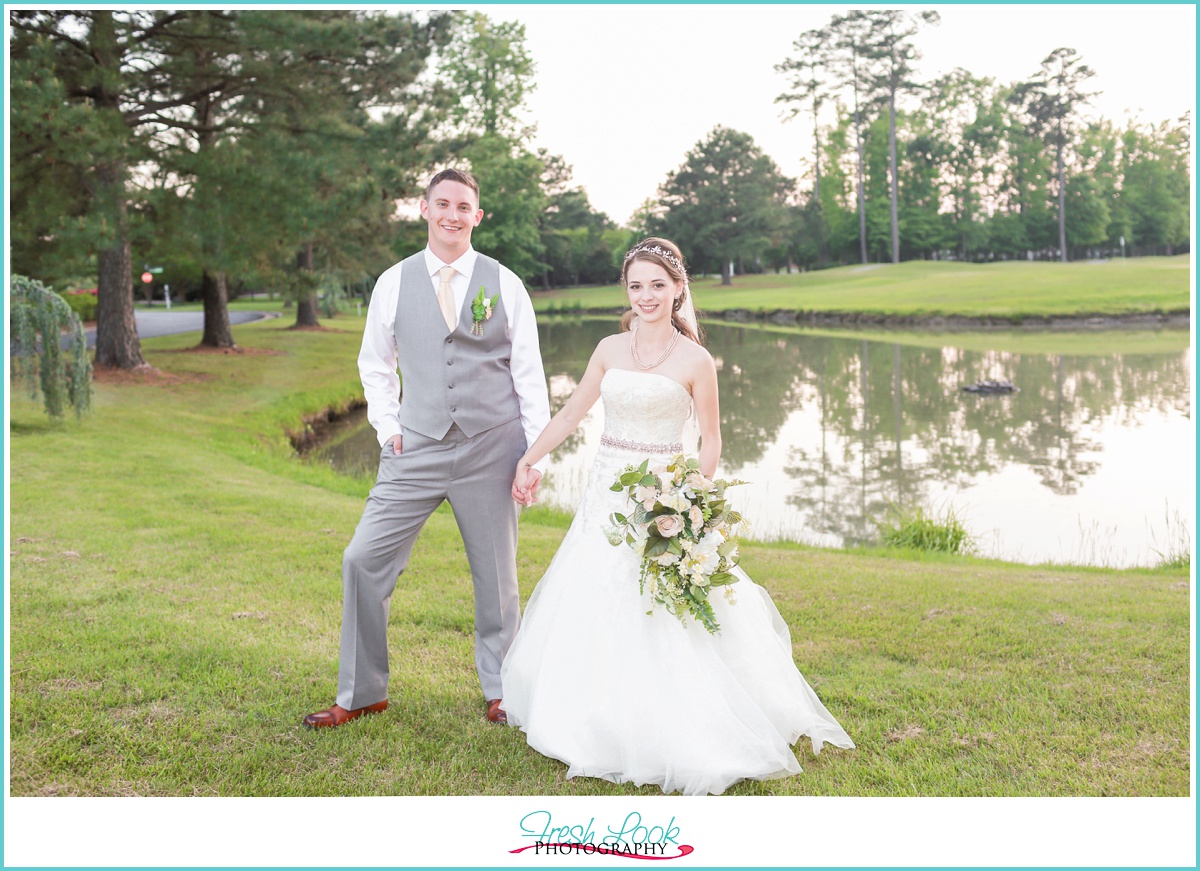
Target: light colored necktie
column 446, row 296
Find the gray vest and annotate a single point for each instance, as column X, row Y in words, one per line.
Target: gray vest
column 456, row 378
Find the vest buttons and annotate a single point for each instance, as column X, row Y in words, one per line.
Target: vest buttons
column 454, row 408
column 451, row 386
column 449, row 362
column 449, row 340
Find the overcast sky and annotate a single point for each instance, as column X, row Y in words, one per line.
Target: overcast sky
column 624, row 91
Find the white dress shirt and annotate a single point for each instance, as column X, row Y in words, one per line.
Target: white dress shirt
column 377, row 360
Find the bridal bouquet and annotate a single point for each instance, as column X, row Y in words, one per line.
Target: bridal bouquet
column 683, row 530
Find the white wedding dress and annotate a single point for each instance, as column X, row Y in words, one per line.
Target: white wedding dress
column 614, row 693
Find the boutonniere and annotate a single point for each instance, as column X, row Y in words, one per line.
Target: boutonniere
column 481, row 310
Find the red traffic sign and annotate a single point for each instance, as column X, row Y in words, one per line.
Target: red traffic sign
column 147, row 277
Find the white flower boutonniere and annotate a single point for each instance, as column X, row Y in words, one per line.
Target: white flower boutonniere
column 481, row 310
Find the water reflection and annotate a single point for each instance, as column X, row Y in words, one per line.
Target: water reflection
column 830, row 431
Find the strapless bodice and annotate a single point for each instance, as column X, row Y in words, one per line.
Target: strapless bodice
column 643, row 407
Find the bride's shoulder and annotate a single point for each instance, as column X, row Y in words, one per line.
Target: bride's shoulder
column 609, row 347
column 695, row 352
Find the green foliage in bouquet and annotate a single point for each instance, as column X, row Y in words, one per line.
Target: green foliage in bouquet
column 685, row 532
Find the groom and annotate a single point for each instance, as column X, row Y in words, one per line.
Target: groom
column 473, row 399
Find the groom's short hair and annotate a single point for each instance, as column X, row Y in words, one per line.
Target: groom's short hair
column 457, row 175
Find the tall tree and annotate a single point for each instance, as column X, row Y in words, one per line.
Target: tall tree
column 575, row 238
column 927, row 229
column 81, row 78
column 808, row 87
column 966, row 120
column 1051, row 98
column 891, row 46
column 852, row 62
column 838, row 193
column 512, row 200
column 209, row 70
column 1026, row 222
column 189, row 98
column 726, row 201
column 342, row 133
column 1156, row 174
column 489, row 69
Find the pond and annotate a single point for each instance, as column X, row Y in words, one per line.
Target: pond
column 1092, row 461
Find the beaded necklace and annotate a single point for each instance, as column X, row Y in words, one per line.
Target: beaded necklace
column 637, row 361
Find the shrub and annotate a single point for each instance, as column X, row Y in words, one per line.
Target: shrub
column 38, row 318
column 1176, row 551
column 82, row 302
column 1179, row 560
column 911, row 527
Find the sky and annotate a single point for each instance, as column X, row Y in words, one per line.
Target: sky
column 623, row 92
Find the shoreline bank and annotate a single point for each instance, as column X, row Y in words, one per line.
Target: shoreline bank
column 1175, row 319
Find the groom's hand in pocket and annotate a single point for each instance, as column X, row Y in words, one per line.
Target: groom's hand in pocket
column 394, row 441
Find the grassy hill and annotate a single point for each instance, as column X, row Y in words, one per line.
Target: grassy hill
column 939, row 288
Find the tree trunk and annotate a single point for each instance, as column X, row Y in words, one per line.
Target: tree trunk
column 117, row 343
column 306, row 305
column 862, row 196
column 306, row 311
column 965, row 222
column 726, row 272
column 817, row 195
column 895, row 186
column 1062, row 204
column 217, row 333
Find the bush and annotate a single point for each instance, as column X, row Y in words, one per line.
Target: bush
column 38, row 318
column 912, row 528
column 82, row 302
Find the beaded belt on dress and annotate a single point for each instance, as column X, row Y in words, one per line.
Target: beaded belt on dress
column 644, row 447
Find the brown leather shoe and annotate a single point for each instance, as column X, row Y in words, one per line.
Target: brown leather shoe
column 337, row 715
column 495, row 713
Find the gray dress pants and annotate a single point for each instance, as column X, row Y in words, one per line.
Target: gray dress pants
column 475, row 475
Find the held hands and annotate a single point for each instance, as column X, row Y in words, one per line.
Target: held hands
column 525, row 484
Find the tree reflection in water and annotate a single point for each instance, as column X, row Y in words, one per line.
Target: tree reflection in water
column 893, row 420
column 847, row 426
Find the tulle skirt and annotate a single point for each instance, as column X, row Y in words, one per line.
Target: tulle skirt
column 615, row 693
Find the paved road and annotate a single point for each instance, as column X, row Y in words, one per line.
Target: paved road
column 164, row 323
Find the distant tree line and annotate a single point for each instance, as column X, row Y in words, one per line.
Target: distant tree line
column 956, row 168
column 965, row 167
column 269, row 150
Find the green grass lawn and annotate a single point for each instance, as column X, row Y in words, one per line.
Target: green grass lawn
column 922, row 287
column 175, row 600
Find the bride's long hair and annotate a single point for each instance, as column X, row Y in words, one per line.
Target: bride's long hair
column 683, row 313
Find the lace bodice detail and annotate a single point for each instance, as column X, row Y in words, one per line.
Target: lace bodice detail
column 643, row 406
column 644, row 417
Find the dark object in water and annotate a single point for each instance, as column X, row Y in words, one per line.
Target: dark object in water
column 989, row 387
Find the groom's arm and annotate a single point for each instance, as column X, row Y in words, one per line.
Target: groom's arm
column 528, row 375
column 377, row 358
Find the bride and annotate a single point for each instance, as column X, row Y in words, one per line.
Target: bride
column 591, row 678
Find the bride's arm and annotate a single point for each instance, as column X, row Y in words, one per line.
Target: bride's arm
column 526, row 481
column 708, row 415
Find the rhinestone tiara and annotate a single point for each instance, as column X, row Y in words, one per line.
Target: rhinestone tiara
column 660, row 251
